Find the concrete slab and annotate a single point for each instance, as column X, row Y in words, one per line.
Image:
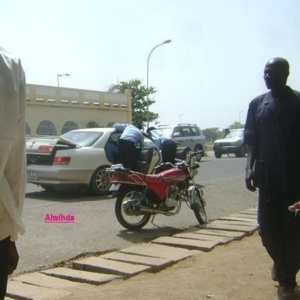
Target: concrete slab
column 204, row 237
column 186, row 243
column 237, row 223
column 155, row 262
column 155, row 250
column 224, row 226
column 24, row 291
column 249, row 212
column 240, row 219
column 101, row 265
column 44, row 280
column 80, row 276
column 224, row 233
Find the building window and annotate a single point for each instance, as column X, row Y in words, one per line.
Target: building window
column 68, row 126
column 92, row 124
column 46, row 127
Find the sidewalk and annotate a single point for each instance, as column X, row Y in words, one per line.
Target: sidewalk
column 224, row 261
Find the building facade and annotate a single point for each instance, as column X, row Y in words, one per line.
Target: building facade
column 56, row 110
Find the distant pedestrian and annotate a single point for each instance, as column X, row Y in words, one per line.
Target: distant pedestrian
column 12, row 162
column 130, row 141
column 272, row 134
column 167, row 145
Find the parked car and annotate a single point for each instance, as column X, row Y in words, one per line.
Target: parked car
column 231, row 143
column 79, row 157
column 186, row 135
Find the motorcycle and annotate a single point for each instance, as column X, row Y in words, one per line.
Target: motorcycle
column 140, row 196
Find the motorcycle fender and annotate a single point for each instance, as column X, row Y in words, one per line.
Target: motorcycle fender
column 191, row 193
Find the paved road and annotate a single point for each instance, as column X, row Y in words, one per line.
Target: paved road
column 96, row 229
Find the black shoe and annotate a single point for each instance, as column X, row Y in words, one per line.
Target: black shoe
column 288, row 293
column 274, row 273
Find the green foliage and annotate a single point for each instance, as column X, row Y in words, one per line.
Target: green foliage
column 139, row 95
column 236, row 125
column 212, row 134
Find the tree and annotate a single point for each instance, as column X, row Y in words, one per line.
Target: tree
column 212, row 134
column 236, row 125
column 139, row 95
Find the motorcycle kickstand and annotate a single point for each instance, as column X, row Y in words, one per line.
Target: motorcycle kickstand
column 152, row 221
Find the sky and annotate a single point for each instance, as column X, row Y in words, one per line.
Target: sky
column 207, row 75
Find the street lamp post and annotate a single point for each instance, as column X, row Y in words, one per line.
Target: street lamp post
column 165, row 42
column 60, row 75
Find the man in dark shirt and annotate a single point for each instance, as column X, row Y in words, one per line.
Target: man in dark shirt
column 272, row 134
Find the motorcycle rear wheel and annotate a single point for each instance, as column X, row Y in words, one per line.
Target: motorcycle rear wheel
column 127, row 208
column 199, row 207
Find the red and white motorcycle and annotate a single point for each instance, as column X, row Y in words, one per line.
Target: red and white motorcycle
column 140, row 196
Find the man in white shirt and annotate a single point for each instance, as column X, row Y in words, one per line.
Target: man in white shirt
column 131, row 136
column 12, row 162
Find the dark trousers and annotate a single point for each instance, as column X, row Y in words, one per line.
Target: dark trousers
column 280, row 233
column 168, row 151
column 127, row 154
column 4, row 257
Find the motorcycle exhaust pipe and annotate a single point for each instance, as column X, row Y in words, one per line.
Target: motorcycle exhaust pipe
column 156, row 211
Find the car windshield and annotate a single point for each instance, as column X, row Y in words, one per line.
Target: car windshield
column 81, row 138
column 234, row 134
column 166, row 131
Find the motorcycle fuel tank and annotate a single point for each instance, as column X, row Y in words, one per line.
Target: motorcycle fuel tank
column 173, row 176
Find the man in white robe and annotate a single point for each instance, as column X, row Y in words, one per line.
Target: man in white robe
column 12, row 162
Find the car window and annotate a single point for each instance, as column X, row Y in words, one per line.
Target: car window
column 82, row 138
column 186, row 131
column 195, row 131
column 114, row 137
column 148, row 143
column 234, row 133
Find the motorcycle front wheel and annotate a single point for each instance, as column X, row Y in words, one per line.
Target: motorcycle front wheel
column 198, row 206
column 127, row 208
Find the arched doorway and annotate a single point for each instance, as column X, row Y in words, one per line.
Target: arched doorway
column 68, row 126
column 46, row 127
column 92, row 124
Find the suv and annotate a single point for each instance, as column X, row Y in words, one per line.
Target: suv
column 232, row 142
column 186, row 135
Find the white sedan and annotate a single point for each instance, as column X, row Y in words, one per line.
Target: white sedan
column 79, row 158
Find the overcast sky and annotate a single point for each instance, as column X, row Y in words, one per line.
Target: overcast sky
column 208, row 73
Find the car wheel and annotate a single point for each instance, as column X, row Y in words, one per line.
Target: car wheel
column 218, row 155
column 241, row 152
column 100, row 182
column 200, row 155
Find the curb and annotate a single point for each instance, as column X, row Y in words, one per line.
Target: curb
column 86, row 273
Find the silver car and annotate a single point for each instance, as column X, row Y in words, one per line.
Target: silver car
column 79, row 157
column 186, row 135
column 231, row 143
